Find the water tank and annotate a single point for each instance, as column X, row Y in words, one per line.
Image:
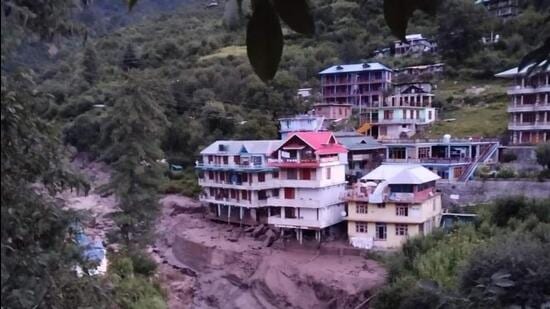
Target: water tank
column 447, row 138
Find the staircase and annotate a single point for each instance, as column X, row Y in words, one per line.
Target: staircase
column 482, row 158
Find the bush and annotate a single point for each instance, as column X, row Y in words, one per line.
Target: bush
column 143, row 264
column 508, row 157
column 505, row 173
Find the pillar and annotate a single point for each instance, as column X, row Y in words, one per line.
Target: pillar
column 228, row 213
column 219, row 210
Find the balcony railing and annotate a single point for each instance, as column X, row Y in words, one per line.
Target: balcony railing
column 539, row 106
column 229, row 166
column 397, row 121
column 528, row 89
column 537, row 125
column 278, row 220
column 431, row 160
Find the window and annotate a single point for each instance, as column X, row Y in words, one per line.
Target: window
column 405, row 188
column 289, row 193
column 361, row 208
column 291, row 174
column 429, row 115
column 262, row 195
column 401, row 230
column 306, row 174
column 237, row 160
column 244, row 195
column 381, row 230
column 257, row 160
column 275, row 192
column 397, row 153
column 276, row 174
column 423, row 152
column 244, row 177
column 233, row 193
column 212, row 192
column 210, row 159
column 290, row 212
column 225, row 160
column 328, row 172
column 210, row 175
column 401, row 210
column 382, row 205
column 261, row 177
column 360, row 227
column 222, row 176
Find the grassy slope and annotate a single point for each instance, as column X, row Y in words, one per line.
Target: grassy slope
column 477, row 113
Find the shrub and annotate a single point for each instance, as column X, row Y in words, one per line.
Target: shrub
column 505, row 173
column 543, row 155
column 508, row 157
column 143, row 264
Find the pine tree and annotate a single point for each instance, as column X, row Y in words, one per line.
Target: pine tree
column 129, row 59
column 133, row 131
column 89, row 66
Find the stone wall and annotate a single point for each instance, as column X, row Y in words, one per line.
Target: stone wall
column 478, row 191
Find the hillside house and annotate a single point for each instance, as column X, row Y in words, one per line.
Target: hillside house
column 529, row 109
column 391, row 204
column 405, row 112
column 451, row 159
column 364, row 153
column 352, row 87
column 501, row 8
column 311, row 180
column 300, row 123
column 237, row 180
column 418, row 71
column 414, row 44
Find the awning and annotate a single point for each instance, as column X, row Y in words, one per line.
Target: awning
column 364, row 128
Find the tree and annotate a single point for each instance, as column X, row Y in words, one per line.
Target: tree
column 132, row 133
column 90, row 65
column 543, row 155
column 513, row 270
column 129, row 59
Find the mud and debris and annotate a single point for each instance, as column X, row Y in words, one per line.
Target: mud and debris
column 205, row 264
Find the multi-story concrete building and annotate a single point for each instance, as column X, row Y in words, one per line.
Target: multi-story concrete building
column 352, row 86
column 405, row 112
column 391, row 204
column 414, row 44
column 451, row 159
column 529, row 109
column 501, row 8
column 237, row 180
column 311, row 181
column 300, row 123
column 364, row 154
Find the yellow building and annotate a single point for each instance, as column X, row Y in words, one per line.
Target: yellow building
column 392, row 203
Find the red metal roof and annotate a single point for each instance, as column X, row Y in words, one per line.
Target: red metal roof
column 322, row 142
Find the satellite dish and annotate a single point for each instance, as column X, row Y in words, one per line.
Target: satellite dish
column 344, row 213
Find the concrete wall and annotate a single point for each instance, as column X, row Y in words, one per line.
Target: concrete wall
column 485, row 191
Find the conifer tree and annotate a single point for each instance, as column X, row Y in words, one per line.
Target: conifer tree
column 133, row 130
column 89, row 66
column 129, row 59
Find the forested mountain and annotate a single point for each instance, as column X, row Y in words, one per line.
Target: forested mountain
column 212, row 91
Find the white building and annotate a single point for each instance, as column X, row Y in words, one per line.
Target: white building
column 237, row 181
column 300, row 123
column 415, row 44
column 312, row 168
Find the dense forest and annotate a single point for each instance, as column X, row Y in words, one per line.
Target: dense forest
column 133, row 88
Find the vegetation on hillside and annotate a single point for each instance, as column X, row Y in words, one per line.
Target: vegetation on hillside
column 500, row 261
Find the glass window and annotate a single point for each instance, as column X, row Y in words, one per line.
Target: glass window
column 401, row 230
column 381, row 231
column 362, row 208
column 261, row 177
column 361, row 227
column 402, row 210
column 291, row 174
column 276, row 174
column 328, row 172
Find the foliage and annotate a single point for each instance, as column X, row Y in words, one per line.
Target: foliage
column 508, row 156
column 505, row 172
column 496, row 262
column 89, row 66
column 543, row 155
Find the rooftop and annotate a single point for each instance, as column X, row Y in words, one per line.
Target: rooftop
column 356, row 141
column 401, row 174
column 358, row 67
column 246, row 146
column 514, row 71
column 322, row 142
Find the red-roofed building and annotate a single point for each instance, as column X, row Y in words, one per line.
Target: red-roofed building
column 312, row 182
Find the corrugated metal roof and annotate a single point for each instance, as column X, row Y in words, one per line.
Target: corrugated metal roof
column 358, row 67
column 402, row 174
column 235, row 146
column 514, row 71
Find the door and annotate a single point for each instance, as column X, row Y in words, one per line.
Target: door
column 306, row 174
column 381, row 231
column 289, row 193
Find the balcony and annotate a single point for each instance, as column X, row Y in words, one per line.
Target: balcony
column 230, row 167
column 293, row 222
column 225, row 201
column 343, row 82
column 295, row 202
column 537, row 125
column 537, row 107
column 528, row 89
column 295, row 162
column 355, row 195
column 400, row 121
column 337, row 95
column 443, row 161
column 203, row 182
